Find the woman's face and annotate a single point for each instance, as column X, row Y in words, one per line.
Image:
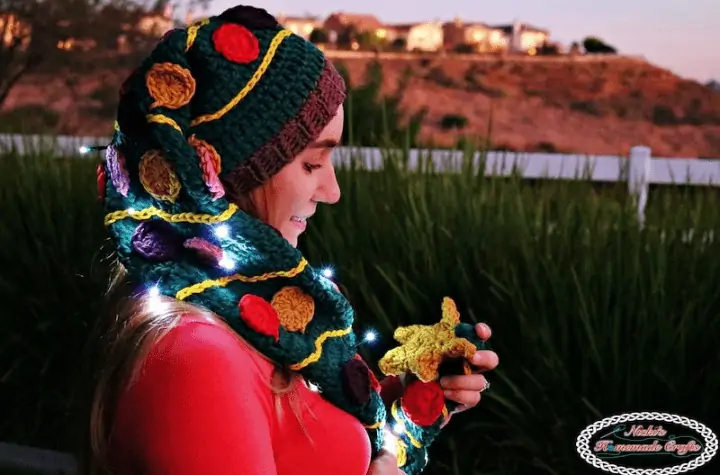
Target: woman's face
column 289, row 199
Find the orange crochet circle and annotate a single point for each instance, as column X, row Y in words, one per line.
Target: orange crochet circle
column 294, row 307
column 157, row 176
column 171, row 85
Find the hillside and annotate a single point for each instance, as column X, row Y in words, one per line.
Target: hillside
column 595, row 106
column 587, row 106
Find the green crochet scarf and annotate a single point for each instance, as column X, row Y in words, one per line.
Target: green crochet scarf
column 214, row 111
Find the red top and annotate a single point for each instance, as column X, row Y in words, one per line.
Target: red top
column 203, row 405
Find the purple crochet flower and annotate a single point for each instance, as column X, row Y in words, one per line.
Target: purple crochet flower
column 118, row 170
column 156, row 240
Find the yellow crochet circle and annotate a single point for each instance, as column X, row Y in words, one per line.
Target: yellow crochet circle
column 171, row 85
column 158, row 178
column 294, row 307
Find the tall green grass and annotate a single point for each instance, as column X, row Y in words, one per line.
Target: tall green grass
column 591, row 314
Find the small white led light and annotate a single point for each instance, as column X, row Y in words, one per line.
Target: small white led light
column 227, row 263
column 222, row 231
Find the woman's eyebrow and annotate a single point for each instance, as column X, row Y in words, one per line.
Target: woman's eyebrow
column 325, row 143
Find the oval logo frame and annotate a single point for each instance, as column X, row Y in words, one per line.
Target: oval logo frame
column 582, row 443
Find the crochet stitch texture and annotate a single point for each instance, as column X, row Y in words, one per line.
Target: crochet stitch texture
column 214, row 111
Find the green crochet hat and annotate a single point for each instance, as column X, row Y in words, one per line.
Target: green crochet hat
column 238, row 90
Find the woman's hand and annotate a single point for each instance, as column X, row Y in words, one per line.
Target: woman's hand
column 385, row 464
column 466, row 389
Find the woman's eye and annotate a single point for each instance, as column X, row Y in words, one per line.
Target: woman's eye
column 309, row 167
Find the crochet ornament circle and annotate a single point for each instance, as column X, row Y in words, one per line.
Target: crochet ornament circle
column 158, row 178
column 170, row 85
column 236, row 43
column 259, row 315
column 210, row 163
column 423, row 402
column 118, row 170
column 294, row 307
column 206, row 251
column 156, row 240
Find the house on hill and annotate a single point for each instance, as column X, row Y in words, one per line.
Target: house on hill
column 301, row 26
column 475, row 36
column 338, row 22
column 524, row 38
column 426, row 36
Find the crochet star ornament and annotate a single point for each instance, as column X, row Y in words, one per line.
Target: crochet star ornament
column 423, row 348
column 428, row 352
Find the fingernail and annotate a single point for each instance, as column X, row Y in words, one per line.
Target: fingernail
column 448, row 393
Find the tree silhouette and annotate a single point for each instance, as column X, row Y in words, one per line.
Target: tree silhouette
column 319, row 36
column 595, row 45
column 55, row 33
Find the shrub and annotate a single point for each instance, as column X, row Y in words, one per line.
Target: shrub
column 586, row 107
column 663, row 115
column 474, row 82
column 319, row 36
column 596, row 45
column 437, row 75
column 453, row 121
column 34, row 119
column 465, row 48
column 548, row 49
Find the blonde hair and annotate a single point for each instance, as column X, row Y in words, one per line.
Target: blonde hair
column 122, row 338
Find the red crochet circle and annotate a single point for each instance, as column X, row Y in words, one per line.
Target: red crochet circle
column 236, row 43
column 101, row 181
column 423, row 403
column 260, row 315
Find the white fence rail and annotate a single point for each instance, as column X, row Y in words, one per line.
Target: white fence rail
column 639, row 169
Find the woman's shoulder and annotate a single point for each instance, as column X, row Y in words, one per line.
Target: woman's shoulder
column 199, row 386
column 201, row 342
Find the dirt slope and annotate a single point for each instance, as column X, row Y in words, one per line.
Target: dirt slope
column 599, row 106
column 555, row 104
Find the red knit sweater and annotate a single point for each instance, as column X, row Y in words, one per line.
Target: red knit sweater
column 203, row 405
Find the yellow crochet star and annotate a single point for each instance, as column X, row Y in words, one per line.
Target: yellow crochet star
column 424, row 347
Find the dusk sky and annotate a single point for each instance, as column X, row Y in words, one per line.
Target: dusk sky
column 673, row 34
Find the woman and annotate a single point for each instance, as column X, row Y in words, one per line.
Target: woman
column 225, row 352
